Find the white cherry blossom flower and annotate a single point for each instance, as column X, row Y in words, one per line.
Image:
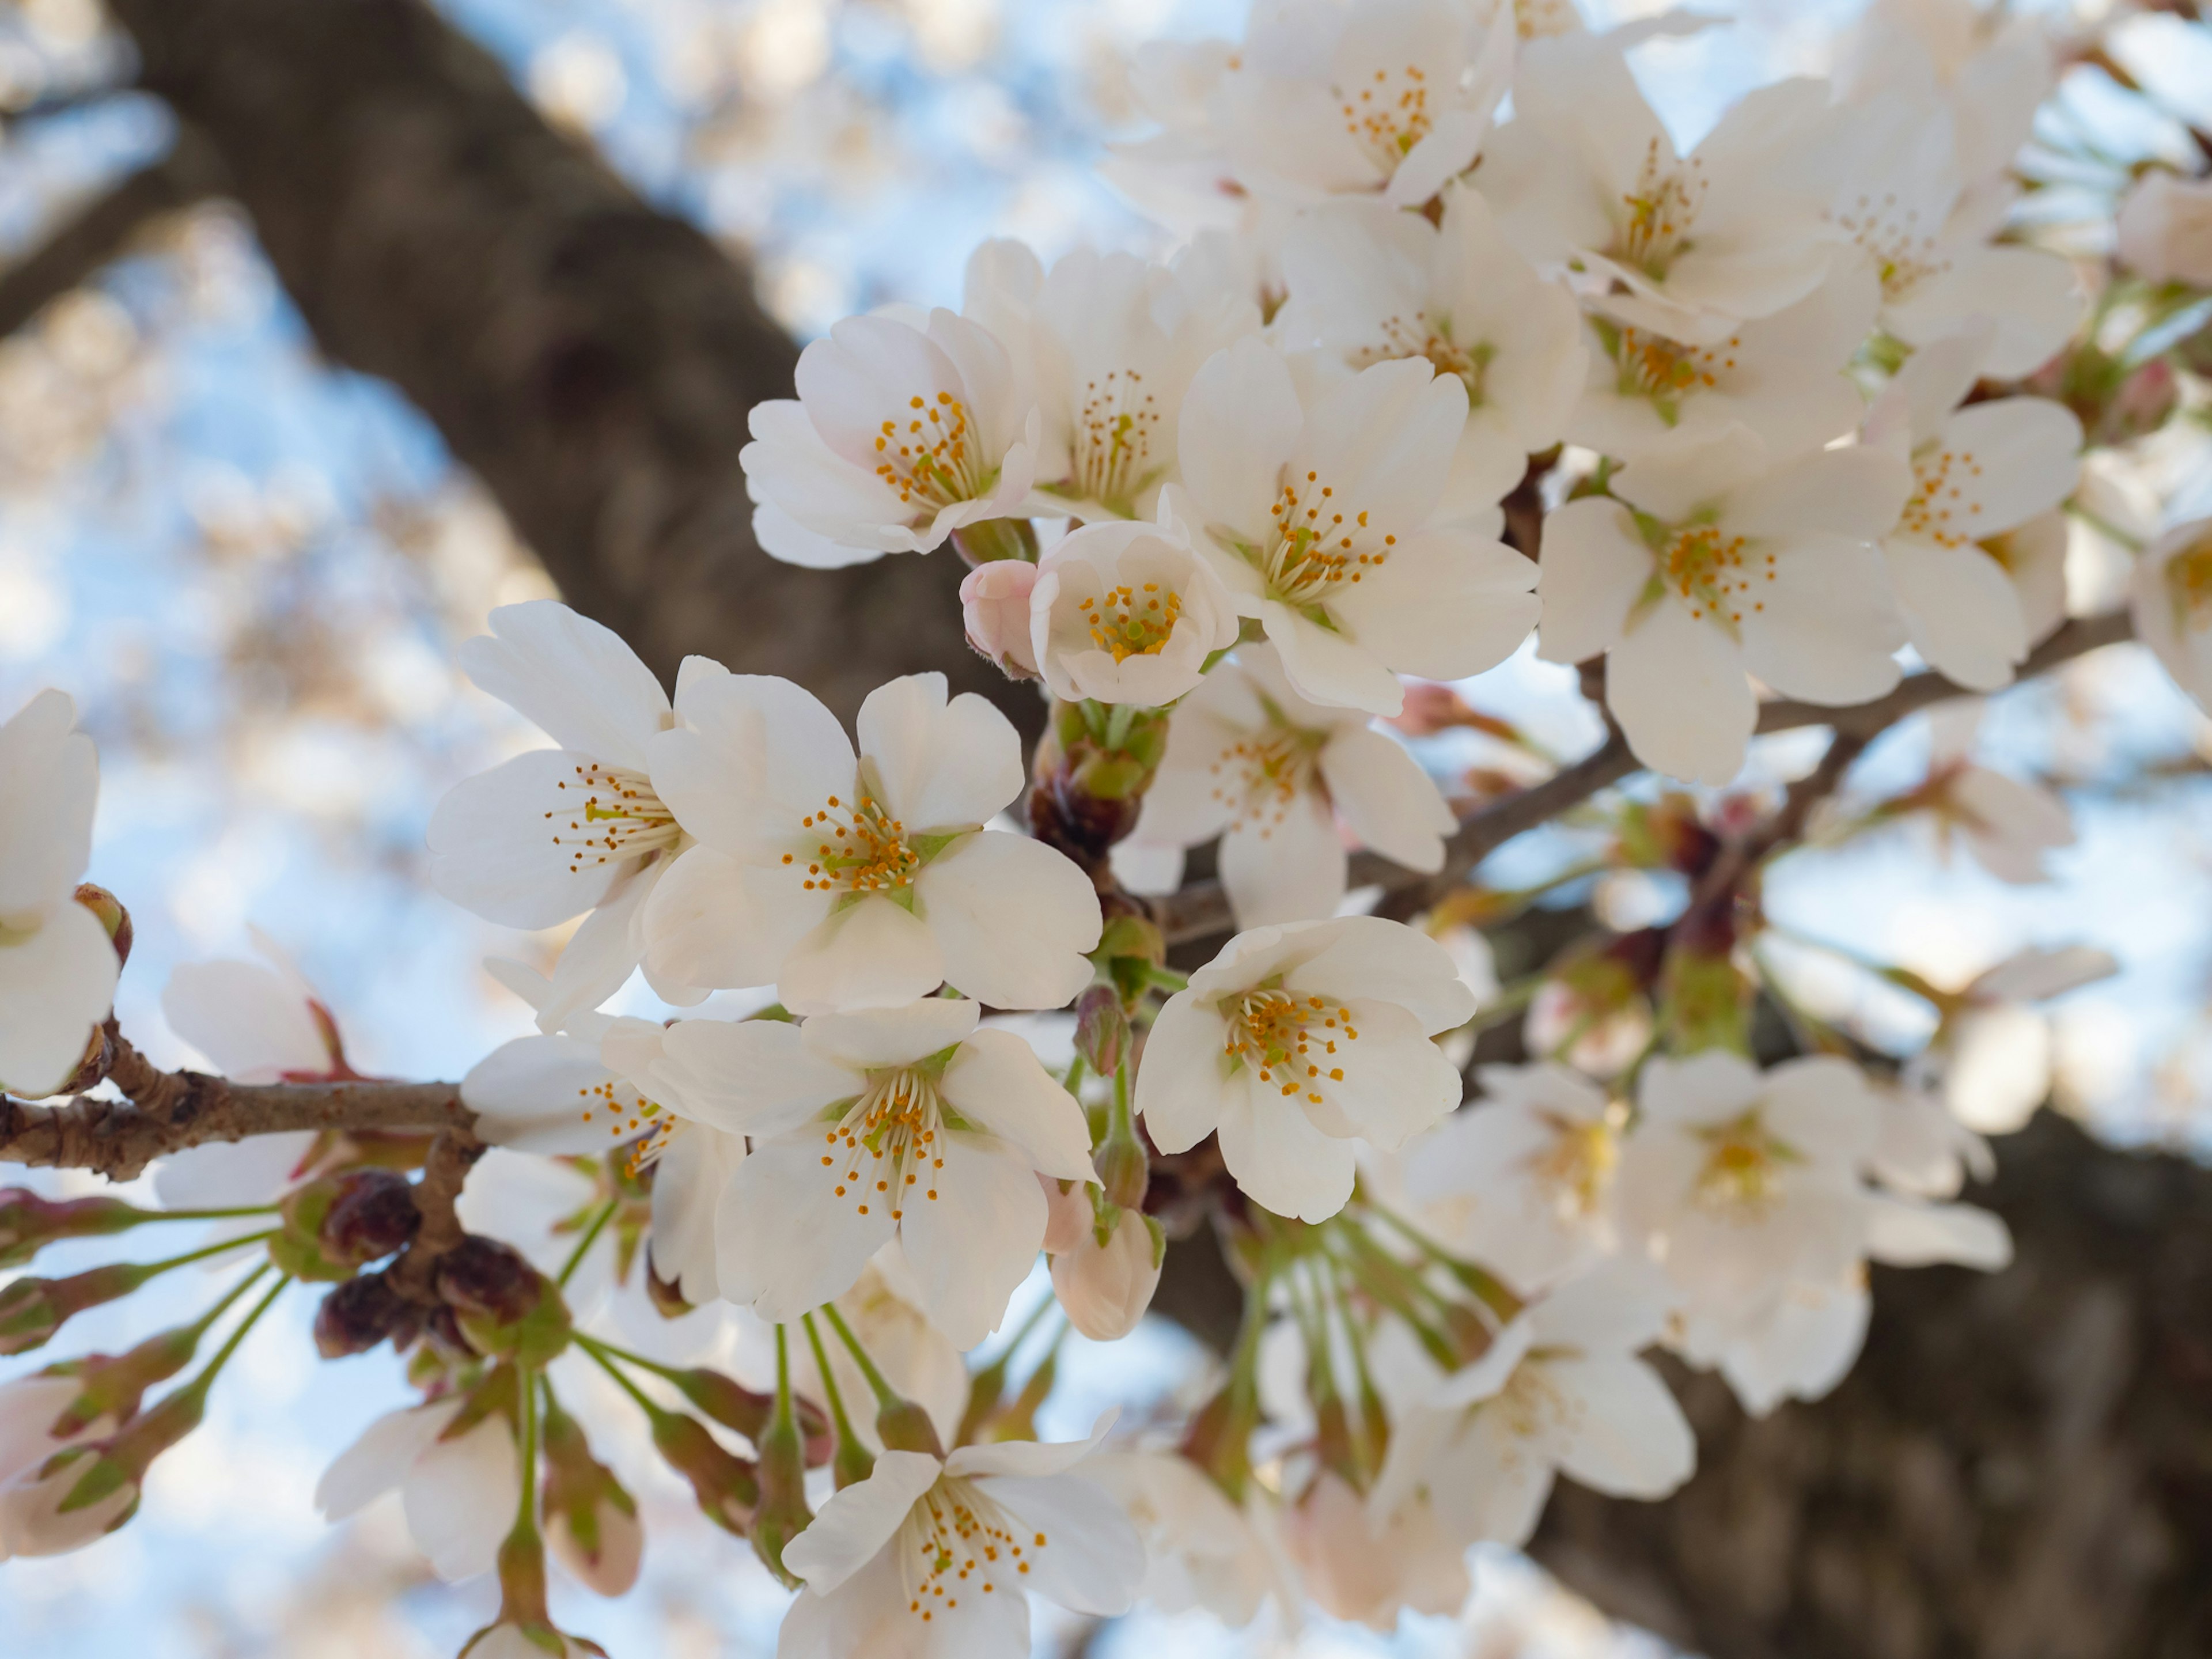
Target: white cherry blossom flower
column 1297, row 1042
column 1127, row 612
column 931, row 1557
column 1252, row 762
column 1369, row 284
column 1929, row 241
column 860, row 881
column 459, row 1489
column 1977, row 471
column 1560, row 1388
column 884, row 1310
column 57, row 970
column 1330, row 524
column 1520, row 1180
column 900, row 436
column 2166, row 229
column 2007, row 824
column 256, row 1022
column 2033, row 555
column 906, row 1123
column 1110, row 344
column 1359, row 1565
column 2171, row 605
column 1783, row 376
column 1989, row 66
column 1200, row 1550
column 34, row 1521
column 1585, row 179
column 1748, row 1188
column 1991, row 1057
column 558, row 833
column 1718, row 560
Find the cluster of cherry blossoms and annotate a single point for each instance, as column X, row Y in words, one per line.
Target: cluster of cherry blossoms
column 1421, row 388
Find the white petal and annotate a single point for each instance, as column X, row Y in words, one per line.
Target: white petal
column 1594, row 569
column 711, row 920
column 542, row 1094
column 1288, row 867
column 1092, row 1560
column 786, row 1242
column 1445, row 606
column 940, row 765
column 1326, row 667
column 1963, row 611
column 1180, row 1076
column 1677, row 686
column 1369, row 958
column 972, row 1243
column 376, row 1462
column 1279, row 1158
column 756, row 755
column 896, row 1035
column 873, row 954
column 511, row 844
column 1824, row 626
column 859, row 1521
column 1629, row 1439
column 1386, row 798
column 1239, row 420
column 55, row 986
column 250, row 1021
column 748, row 1077
column 996, row 1082
column 461, row 1498
column 49, row 779
column 1908, row 1235
column 1014, row 919
column 574, row 678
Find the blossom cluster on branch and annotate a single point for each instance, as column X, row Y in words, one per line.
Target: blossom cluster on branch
column 1420, row 389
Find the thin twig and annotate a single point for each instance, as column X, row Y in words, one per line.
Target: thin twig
column 452, row 1154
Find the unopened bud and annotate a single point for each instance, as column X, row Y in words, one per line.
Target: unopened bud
column 361, row 1313
column 1124, row 1171
column 372, row 1214
column 83, row 1493
column 113, row 916
column 27, row 1221
column 903, row 1426
column 783, row 1512
column 591, row 1521
column 1067, row 1212
column 32, row 1309
column 1105, row 1285
column 505, row 1308
column 726, row 1486
column 1101, row 1030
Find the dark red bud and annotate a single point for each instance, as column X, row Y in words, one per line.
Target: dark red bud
column 372, row 1215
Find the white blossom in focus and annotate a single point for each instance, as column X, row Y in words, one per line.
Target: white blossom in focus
column 573, row 830
column 1127, row 612
column 1585, row 179
column 1977, row 471
column 1250, row 761
column 1299, row 1041
column 1369, row 283
column 2171, row 605
column 906, row 1123
column 459, row 1484
column 1331, row 525
column 931, row 1557
column 1560, row 1388
column 900, row 436
column 860, row 881
column 58, row 970
column 1713, row 561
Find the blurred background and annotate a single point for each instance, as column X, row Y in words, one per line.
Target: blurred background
column 250, row 568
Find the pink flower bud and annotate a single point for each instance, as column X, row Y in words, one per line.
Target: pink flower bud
column 1105, row 1289
column 1067, row 1214
column 994, row 598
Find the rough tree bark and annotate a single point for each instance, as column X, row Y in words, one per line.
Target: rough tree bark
column 2019, row 1467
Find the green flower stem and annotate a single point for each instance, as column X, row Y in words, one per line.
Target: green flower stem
column 853, row 1460
column 886, row 1396
column 599, row 1225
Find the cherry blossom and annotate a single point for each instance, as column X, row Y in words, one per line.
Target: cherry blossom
column 2007, row 824
column 1200, row 1550
column 1127, row 612
column 1990, row 68
column 1991, row 1056
column 1298, row 1040
column 860, row 881
column 906, row 1123
column 458, row 1476
column 994, row 605
column 1329, row 522
column 1370, row 284
column 1715, row 560
column 931, row 1556
column 900, row 436
column 1977, row 471
column 1272, row 774
column 57, row 970
column 1366, row 1567
column 2171, row 605
column 2166, row 229
column 885, row 1309
column 573, row 830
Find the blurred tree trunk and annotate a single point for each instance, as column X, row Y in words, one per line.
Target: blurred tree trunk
column 2020, row 1465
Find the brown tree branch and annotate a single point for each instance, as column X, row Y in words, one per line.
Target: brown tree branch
column 1201, row 910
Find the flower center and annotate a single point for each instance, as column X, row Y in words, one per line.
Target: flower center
column 1661, row 210
column 1532, row 1403
column 855, row 848
column 958, row 1541
column 626, row 1113
column 1420, row 337
column 1710, row 572
column 929, row 452
column 1904, row 253
column 1938, row 496
column 1262, row 774
column 1662, row 371
column 620, row 818
column 2188, row 588
column 1742, row 1170
column 1288, row 1039
column 1114, row 433
column 1128, row 622
column 1388, row 115
column 1313, row 548
column 1575, row 1167
column 885, row 1141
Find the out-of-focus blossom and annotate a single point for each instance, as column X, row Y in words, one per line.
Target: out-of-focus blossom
column 2166, row 229
column 1989, row 66
column 2008, row 825
column 1358, row 1566
column 1992, row 1053
column 1200, row 1551
column 2171, row 605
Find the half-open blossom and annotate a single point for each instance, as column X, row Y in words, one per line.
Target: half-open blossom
column 2171, row 605
column 932, row 1556
column 1297, row 1042
column 885, row 1309
column 906, row 1123
column 57, row 970
column 1330, row 524
column 900, row 436
column 459, row 1482
column 1521, row 1179
column 30, row 1406
column 1784, row 376
column 860, row 881
column 1369, row 283
column 1127, row 612
column 560, row 832
column 1558, row 1389
column 1749, row 1188
column 1108, row 344
column 1272, row 774
column 1585, row 179
column 1977, row 471
column 994, row 605
column 1718, row 559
